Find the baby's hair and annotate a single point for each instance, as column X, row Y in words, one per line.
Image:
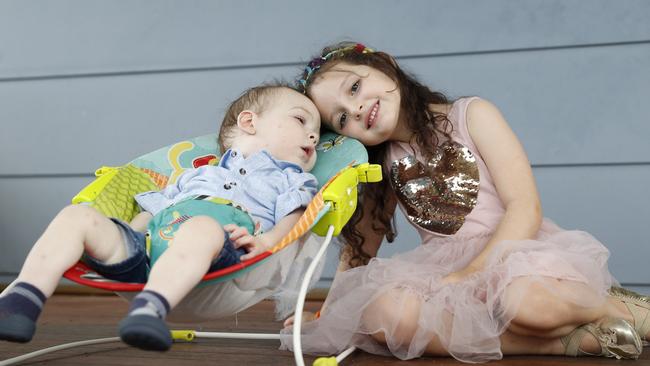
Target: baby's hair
column 256, row 99
column 427, row 126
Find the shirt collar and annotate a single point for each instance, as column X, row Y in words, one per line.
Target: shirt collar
column 233, row 159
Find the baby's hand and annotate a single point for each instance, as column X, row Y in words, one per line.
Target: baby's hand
column 241, row 238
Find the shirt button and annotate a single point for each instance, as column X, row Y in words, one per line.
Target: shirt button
column 226, row 186
column 242, row 171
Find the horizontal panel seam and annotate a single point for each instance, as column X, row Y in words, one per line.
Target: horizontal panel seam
column 589, row 165
column 285, row 64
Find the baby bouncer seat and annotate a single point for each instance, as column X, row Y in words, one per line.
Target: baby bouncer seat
column 341, row 165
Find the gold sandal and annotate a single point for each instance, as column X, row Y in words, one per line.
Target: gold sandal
column 633, row 302
column 617, row 338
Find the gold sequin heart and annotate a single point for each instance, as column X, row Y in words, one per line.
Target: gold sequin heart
column 440, row 193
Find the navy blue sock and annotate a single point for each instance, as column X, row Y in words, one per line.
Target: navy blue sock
column 23, row 299
column 20, row 307
column 150, row 303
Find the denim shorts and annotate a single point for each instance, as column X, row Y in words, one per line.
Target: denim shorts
column 135, row 268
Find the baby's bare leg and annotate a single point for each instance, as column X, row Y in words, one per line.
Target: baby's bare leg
column 177, row 271
column 75, row 229
column 196, row 243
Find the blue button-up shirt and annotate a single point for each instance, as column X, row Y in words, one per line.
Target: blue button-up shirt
column 267, row 188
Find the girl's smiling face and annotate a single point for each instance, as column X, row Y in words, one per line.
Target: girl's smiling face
column 359, row 101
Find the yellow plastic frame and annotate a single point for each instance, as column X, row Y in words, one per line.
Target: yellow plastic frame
column 341, row 193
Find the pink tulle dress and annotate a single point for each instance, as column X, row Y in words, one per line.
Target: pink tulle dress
column 453, row 203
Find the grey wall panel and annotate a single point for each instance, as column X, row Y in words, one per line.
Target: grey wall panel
column 610, row 203
column 90, row 83
column 567, row 106
column 40, row 38
column 28, row 205
column 85, row 122
column 564, row 104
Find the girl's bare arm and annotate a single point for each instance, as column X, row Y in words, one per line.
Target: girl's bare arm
column 509, row 167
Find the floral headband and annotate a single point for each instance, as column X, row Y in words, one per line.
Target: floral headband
column 317, row 62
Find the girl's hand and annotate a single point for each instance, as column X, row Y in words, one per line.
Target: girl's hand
column 307, row 316
column 459, row 276
column 241, row 238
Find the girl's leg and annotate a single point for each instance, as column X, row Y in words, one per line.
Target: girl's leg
column 512, row 344
column 545, row 313
column 404, row 324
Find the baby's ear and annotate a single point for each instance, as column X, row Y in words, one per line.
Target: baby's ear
column 246, row 121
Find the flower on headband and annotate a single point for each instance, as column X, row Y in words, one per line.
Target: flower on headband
column 317, row 62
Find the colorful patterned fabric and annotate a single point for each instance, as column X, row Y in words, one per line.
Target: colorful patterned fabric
column 116, row 199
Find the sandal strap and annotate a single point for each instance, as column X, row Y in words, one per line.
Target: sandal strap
column 637, row 305
column 573, row 340
column 641, row 324
column 617, row 339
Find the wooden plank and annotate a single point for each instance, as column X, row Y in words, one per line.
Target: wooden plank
column 73, row 318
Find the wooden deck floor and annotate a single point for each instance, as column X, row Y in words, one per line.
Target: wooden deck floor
column 72, row 318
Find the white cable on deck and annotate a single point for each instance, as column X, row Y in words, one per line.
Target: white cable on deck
column 345, row 354
column 235, row 335
column 296, row 330
column 297, row 320
column 15, row 360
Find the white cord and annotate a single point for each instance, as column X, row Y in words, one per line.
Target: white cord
column 15, row 360
column 297, row 347
column 235, row 335
column 345, row 354
column 297, row 320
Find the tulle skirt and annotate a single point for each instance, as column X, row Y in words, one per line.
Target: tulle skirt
column 403, row 297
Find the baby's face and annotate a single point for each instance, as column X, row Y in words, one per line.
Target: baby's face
column 289, row 128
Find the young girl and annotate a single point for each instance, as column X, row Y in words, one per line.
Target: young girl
column 492, row 276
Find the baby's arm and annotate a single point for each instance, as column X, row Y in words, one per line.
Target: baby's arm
column 256, row 245
column 155, row 201
column 140, row 221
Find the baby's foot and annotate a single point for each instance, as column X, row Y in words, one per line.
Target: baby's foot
column 145, row 332
column 16, row 328
column 20, row 307
column 145, row 326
